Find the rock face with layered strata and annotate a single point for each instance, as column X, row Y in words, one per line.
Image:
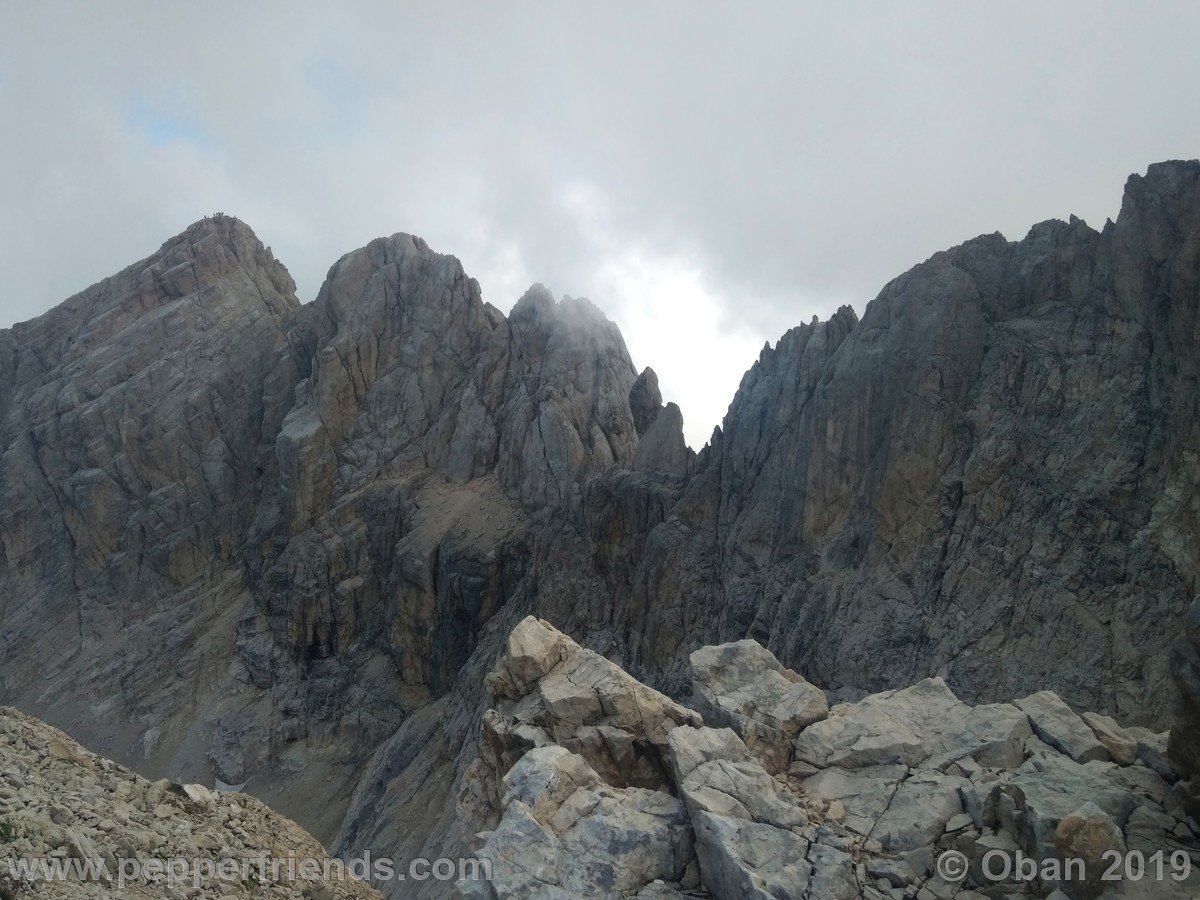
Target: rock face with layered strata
column 990, row 477
column 243, row 539
column 247, row 540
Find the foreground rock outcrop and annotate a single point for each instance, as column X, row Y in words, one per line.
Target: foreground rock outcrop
column 60, row 804
column 874, row 793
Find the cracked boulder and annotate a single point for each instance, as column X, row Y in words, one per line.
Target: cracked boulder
column 752, row 835
column 566, row 834
column 741, row 685
column 925, row 722
column 551, row 690
column 1057, row 725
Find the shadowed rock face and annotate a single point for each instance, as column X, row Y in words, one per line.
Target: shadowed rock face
column 237, row 531
column 246, row 539
column 990, row 476
column 1185, row 724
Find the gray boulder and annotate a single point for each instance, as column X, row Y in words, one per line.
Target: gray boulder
column 1048, row 788
column 566, row 834
column 551, row 690
column 749, row 830
column 1119, row 743
column 1056, row 724
column 742, row 686
column 925, row 722
column 753, row 860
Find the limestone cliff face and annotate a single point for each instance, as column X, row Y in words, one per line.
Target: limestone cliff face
column 138, row 433
column 990, row 477
column 245, row 539
column 250, row 540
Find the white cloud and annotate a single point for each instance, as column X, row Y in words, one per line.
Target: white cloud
column 671, row 320
column 709, row 176
column 673, row 323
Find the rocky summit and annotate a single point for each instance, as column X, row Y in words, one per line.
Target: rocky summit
column 279, row 547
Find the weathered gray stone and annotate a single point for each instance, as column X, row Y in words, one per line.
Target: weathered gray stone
column 715, row 773
column 1048, row 788
column 534, row 648
column 740, row 858
column 833, row 873
column 742, row 686
column 1120, row 745
column 918, row 811
column 921, row 725
column 551, row 689
column 1057, row 725
column 564, row 833
column 545, row 777
column 869, row 733
column 864, row 793
column 1152, row 751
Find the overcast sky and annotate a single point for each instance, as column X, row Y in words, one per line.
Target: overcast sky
column 709, row 174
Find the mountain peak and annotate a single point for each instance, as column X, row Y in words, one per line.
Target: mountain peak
column 1169, row 188
column 217, row 264
column 220, row 245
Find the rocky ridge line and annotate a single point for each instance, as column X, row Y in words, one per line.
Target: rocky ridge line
column 604, row 788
